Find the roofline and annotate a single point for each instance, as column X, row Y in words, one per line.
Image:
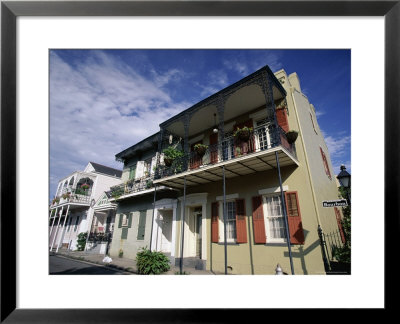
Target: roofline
column 118, row 155
column 234, row 85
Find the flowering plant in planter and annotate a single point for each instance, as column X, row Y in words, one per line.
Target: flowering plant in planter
column 66, row 195
column 85, row 186
column 200, row 149
column 243, row 133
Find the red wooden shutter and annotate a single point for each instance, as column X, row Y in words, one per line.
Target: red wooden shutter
column 258, row 221
column 245, row 147
column 214, row 148
column 294, row 218
column 214, row 222
column 195, row 160
column 339, row 223
column 281, row 118
column 241, row 235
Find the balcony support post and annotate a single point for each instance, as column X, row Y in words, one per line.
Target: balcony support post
column 52, row 225
column 159, row 151
column 186, row 123
column 62, row 230
column 221, row 124
column 152, row 219
column 284, row 213
column 224, row 215
column 183, row 226
column 266, row 86
column 58, row 224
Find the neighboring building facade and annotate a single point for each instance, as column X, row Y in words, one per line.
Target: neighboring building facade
column 134, row 226
column 72, row 208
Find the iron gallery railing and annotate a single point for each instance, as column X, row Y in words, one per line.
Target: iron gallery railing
column 71, row 195
column 260, row 139
column 333, row 240
column 132, row 186
column 100, row 237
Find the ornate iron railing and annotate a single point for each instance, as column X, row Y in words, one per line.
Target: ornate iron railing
column 132, row 186
column 70, row 195
column 100, row 237
column 260, row 139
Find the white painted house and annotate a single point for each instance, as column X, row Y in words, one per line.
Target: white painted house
column 73, row 206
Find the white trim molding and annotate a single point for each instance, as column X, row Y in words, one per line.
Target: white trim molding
column 272, row 190
column 228, row 197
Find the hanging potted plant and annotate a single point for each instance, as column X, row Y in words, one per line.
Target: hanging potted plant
column 200, row 149
column 292, row 136
column 170, row 154
column 243, row 133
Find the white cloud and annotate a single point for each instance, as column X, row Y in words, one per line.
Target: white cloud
column 100, row 107
column 337, row 146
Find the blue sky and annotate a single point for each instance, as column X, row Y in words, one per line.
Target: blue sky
column 103, row 101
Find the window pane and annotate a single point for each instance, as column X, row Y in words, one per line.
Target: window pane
column 276, row 223
column 231, row 220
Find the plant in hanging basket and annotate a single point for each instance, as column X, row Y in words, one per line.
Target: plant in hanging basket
column 243, row 133
column 292, row 136
column 200, row 149
column 170, row 154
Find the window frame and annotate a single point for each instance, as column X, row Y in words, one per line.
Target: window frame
column 269, row 238
column 221, row 222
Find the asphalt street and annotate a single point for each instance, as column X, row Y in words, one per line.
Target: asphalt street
column 63, row 266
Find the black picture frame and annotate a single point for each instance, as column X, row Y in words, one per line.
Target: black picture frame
column 10, row 10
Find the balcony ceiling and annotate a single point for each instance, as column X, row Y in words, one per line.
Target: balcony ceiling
column 242, row 101
column 257, row 162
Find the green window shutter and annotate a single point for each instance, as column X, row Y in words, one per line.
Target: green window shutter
column 124, row 234
column 120, row 221
column 132, row 172
column 142, row 225
column 130, row 220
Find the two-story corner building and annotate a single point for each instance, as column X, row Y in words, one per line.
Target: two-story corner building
column 248, row 186
column 72, row 209
column 134, row 228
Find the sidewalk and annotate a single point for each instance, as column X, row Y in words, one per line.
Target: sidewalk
column 123, row 264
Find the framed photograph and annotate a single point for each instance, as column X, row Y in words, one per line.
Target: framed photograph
column 29, row 294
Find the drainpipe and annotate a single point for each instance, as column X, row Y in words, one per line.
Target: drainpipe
column 183, row 225
column 284, row 213
column 152, row 219
column 224, row 214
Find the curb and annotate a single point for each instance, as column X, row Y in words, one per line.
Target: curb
column 82, row 259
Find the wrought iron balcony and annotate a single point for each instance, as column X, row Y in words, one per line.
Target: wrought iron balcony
column 70, row 195
column 132, row 186
column 262, row 138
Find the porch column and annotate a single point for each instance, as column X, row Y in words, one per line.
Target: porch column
column 221, row 130
column 58, row 224
column 52, row 225
column 183, row 224
column 173, row 240
column 158, row 156
column 266, row 85
column 154, row 211
column 224, row 215
column 284, row 213
column 62, row 230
